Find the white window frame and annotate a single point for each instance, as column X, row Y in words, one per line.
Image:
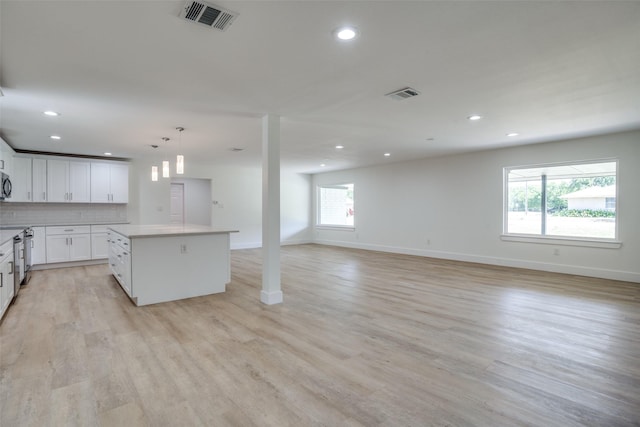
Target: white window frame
column 608, row 243
column 319, row 187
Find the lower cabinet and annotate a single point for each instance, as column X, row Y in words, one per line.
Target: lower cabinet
column 71, row 243
column 120, row 260
column 99, row 242
column 6, row 276
column 38, row 246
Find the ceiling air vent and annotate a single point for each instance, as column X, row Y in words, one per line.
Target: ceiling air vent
column 401, row 94
column 208, row 14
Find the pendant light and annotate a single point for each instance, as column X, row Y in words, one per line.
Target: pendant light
column 165, row 163
column 180, row 157
column 154, row 168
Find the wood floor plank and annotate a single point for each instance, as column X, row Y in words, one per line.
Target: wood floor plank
column 362, row 339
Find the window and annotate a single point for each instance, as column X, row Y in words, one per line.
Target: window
column 571, row 200
column 335, row 205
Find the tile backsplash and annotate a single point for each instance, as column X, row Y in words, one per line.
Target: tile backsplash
column 60, row 213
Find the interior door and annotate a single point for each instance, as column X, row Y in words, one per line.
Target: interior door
column 177, row 203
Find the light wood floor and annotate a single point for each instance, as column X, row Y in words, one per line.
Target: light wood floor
column 362, row 339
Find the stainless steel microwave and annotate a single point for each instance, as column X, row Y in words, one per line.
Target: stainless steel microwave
column 5, row 186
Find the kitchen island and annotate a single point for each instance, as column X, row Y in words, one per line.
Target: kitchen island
column 159, row 263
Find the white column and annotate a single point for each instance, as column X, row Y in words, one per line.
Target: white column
column 271, row 292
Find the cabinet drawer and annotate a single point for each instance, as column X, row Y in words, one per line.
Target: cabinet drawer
column 121, row 241
column 99, row 228
column 68, row 229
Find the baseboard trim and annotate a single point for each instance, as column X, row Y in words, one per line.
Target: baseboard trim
column 270, row 298
column 256, row 245
column 69, row 264
column 627, row 276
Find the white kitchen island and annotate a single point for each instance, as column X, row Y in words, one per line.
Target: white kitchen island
column 159, row 263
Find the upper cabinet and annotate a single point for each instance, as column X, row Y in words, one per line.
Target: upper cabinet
column 109, row 182
column 68, row 181
column 22, row 180
column 6, row 157
column 39, row 179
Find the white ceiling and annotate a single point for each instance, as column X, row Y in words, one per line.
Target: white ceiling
column 124, row 74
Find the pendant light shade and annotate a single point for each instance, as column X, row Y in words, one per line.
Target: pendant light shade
column 165, row 169
column 154, row 173
column 180, row 164
column 180, row 157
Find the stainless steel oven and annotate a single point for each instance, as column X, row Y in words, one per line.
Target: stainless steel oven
column 18, row 272
column 28, row 246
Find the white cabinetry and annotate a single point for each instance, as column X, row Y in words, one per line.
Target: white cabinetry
column 68, row 181
column 6, row 157
column 120, row 260
column 39, row 179
column 71, row 243
column 109, row 182
column 6, row 276
column 21, row 179
column 38, row 246
column 99, row 242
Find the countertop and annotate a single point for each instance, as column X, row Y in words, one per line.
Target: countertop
column 7, row 235
column 133, row 231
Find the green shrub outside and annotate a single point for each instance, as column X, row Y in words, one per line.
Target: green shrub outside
column 585, row 213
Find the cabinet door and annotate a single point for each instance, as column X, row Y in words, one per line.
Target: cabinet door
column 57, row 181
column 38, row 246
column 21, row 180
column 99, row 246
column 119, row 183
column 79, row 247
column 39, row 180
column 100, row 188
column 57, row 248
column 79, row 182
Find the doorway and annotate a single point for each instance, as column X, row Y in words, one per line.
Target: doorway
column 177, row 203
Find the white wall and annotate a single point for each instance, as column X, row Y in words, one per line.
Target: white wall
column 238, row 193
column 451, row 207
column 197, row 200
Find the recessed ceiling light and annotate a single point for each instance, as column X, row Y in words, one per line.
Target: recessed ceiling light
column 474, row 117
column 513, row 134
column 51, row 113
column 56, row 137
column 346, row 33
column 339, row 147
column 387, row 154
column 107, row 154
column 322, row 165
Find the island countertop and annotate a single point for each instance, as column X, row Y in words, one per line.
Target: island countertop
column 164, row 230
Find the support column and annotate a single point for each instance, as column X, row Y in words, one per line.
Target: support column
column 271, row 292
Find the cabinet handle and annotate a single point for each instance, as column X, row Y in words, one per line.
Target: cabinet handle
column 68, row 229
column 44, row 195
column 11, row 263
column 66, row 196
column 28, row 195
column 71, row 238
column 32, row 244
column 70, row 196
column 2, row 163
column 21, row 253
column 1, row 279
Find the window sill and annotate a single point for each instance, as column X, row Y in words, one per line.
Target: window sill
column 564, row 241
column 336, row 227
